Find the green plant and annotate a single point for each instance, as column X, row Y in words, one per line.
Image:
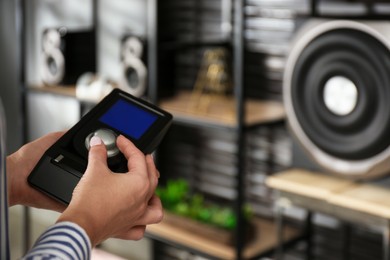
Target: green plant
column 177, row 199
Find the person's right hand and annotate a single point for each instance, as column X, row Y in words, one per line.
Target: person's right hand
column 108, row 204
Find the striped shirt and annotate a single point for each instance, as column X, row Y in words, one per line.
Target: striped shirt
column 64, row 240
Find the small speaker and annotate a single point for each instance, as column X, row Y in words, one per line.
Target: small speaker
column 336, row 93
column 66, row 55
column 134, row 70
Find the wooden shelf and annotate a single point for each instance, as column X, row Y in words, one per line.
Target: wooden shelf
column 368, row 198
column 337, row 193
column 306, row 183
column 365, row 204
column 264, row 239
column 69, row 91
column 65, row 91
column 222, row 110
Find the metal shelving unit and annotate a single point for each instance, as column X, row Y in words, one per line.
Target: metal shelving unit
column 239, row 124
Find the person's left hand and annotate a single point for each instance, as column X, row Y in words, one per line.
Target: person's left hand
column 19, row 166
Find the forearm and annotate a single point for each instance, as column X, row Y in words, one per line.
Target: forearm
column 14, row 196
column 64, row 240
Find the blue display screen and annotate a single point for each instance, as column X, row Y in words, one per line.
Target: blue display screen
column 128, row 118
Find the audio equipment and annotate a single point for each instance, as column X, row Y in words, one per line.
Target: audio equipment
column 62, row 165
column 268, row 29
column 66, row 55
column 336, row 93
column 134, row 71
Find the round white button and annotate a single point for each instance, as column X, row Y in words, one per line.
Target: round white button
column 109, row 139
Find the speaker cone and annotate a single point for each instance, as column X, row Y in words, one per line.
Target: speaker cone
column 53, row 61
column 134, row 74
column 337, row 92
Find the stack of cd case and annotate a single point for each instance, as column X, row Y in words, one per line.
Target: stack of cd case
column 208, row 159
column 187, row 66
column 192, row 21
column 268, row 151
column 374, row 9
column 334, row 239
column 268, row 29
column 186, row 29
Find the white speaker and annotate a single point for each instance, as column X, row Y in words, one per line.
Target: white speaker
column 336, row 91
column 134, row 71
column 53, row 61
column 67, row 54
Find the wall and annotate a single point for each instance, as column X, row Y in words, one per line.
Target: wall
column 10, row 89
column 117, row 19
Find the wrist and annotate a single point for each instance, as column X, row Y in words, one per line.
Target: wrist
column 14, row 194
column 84, row 220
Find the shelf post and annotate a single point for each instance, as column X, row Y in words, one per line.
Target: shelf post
column 152, row 50
column 21, row 12
column 238, row 80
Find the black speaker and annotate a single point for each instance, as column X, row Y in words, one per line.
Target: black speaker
column 66, row 55
column 134, row 68
column 336, row 93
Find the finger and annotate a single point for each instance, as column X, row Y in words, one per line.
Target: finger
column 152, row 166
column 56, row 135
column 154, row 212
column 45, row 141
column 153, row 173
column 135, row 233
column 97, row 152
column 135, row 158
column 155, row 202
column 128, row 148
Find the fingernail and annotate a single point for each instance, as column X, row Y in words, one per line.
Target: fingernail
column 95, row 140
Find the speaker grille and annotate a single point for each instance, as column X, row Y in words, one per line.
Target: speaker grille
column 363, row 60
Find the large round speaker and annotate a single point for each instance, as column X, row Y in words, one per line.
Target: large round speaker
column 336, row 91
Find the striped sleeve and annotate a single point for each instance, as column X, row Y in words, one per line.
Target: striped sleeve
column 64, row 240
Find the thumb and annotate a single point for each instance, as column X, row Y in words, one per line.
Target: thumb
column 97, row 151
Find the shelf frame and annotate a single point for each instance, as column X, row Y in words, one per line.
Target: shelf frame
column 239, row 93
column 259, row 245
column 240, row 126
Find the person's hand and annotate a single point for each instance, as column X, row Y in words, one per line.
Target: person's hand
column 20, row 165
column 120, row 205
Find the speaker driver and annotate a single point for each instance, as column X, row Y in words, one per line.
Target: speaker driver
column 66, row 55
column 337, row 92
column 134, row 73
column 53, row 61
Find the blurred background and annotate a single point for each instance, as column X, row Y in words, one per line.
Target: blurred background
column 256, row 87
